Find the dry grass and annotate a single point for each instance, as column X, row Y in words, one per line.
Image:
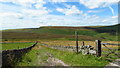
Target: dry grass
column 70, row 43
column 73, row 43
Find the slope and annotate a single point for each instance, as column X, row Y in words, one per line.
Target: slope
column 63, row 33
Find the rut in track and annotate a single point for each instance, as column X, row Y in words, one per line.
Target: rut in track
column 50, row 60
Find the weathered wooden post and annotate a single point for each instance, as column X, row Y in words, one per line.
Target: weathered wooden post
column 76, row 36
column 98, row 48
column 83, row 43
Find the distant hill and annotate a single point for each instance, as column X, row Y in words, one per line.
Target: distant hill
column 63, row 33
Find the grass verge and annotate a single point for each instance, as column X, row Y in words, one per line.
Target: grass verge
column 70, row 58
column 8, row 46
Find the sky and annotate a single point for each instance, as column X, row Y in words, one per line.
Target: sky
column 15, row 14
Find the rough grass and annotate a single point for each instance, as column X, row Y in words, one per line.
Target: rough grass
column 8, row 46
column 111, row 56
column 72, row 59
column 15, row 45
column 30, row 59
column 73, row 43
column 105, row 33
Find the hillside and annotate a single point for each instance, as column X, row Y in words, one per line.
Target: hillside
column 63, row 33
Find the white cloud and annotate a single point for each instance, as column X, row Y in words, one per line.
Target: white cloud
column 10, row 22
column 25, row 3
column 68, row 6
column 111, row 10
column 105, row 20
column 10, row 14
column 91, row 4
column 73, row 10
column 98, row 3
column 60, row 9
column 95, row 11
column 24, row 10
column 114, row 16
column 39, row 6
column 10, row 17
column 54, row 1
column 31, row 12
column 110, row 20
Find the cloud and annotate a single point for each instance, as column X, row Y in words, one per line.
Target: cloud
column 92, row 4
column 111, row 10
column 56, row 1
column 25, row 3
column 114, row 16
column 10, row 22
column 73, row 10
column 98, row 3
column 32, row 12
column 95, row 11
column 11, row 14
column 37, row 11
column 25, row 16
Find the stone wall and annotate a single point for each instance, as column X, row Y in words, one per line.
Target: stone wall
column 10, row 57
column 86, row 49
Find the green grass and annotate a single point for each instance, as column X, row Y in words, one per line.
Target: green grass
column 34, row 58
column 104, row 33
column 30, row 59
column 111, row 56
column 107, row 36
column 8, row 46
column 74, row 59
column 63, row 31
column 70, row 58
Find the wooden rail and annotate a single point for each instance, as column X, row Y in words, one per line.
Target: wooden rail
column 99, row 48
column 110, row 44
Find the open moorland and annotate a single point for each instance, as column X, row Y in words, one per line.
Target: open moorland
column 91, row 33
column 42, row 55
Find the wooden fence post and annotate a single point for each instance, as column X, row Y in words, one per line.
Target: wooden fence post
column 98, row 48
column 83, row 43
column 76, row 36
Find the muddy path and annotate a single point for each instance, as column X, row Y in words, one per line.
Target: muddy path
column 51, row 61
column 115, row 64
column 48, row 59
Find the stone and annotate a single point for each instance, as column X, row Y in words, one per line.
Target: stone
column 92, row 52
column 88, row 46
column 85, row 51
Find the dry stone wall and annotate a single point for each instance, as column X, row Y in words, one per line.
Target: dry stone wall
column 10, row 57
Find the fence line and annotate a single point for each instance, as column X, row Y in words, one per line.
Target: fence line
column 10, row 57
column 99, row 48
column 110, row 44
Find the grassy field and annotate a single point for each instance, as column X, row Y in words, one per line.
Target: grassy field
column 38, row 55
column 14, row 45
column 73, row 43
column 70, row 58
column 8, row 46
column 88, row 33
column 59, row 35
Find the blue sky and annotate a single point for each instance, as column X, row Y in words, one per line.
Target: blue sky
column 36, row 13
